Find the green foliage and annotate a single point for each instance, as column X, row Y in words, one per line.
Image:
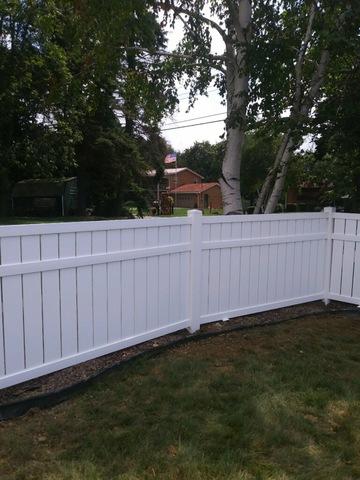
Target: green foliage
column 61, row 63
column 203, row 158
column 335, row 163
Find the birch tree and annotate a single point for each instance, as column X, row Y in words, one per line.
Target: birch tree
column 275, row 60
column 322, row 42
column 230, row 20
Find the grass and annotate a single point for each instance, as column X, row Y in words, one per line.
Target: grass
column 280, row 403
column 179, row 212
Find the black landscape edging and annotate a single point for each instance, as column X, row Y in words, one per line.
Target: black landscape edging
column 46, row 400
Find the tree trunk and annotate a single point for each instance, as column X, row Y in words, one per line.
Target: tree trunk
column 265, row 189
column 280, row 178
column 237, row 84
column 300, row 112
column 230, row 178
column 305, row 109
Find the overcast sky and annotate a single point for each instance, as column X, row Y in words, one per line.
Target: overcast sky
column 182, row 138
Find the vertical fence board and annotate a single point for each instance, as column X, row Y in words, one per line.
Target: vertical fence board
column 263, row 264
column 337, row 258
column 140, row 293
column 68, row 300
column 245, row 268
column 2, row 352
column 164, row 277
column 298, row 266
column 224, row 277
column 281, row 263
column 13, row 308
column 348, row 259
column 305, row 260
column 84, row 294
column 32, row 297
column 205, row 265
column 273, row 261
column 185, row 280
column 289, row 262
column 114, row 288
column 128, row 286
column 51, row 300
column 356, row 279
column 254, row 265
column 175, row 237
column 152, row 281
column 100, row 291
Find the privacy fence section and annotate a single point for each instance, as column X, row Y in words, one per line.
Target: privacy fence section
column 71, row 292
column 344, row 281
column 74, row 291
column 261, row 262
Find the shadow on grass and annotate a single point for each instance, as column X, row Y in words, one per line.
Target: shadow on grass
column 279, row 404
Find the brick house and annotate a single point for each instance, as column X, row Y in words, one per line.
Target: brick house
column 197, row 195
column 175, row 177
column 187, row 189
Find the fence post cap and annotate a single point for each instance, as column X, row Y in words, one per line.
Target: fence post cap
column 330, row 209
column 194, row 213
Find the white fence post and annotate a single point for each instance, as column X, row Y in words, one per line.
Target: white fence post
column 195, row 269
column 328, row 254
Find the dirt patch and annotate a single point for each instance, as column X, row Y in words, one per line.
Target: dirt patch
column 82, row 372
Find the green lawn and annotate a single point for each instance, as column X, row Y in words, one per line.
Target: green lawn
column 281, row 403
column 179, row 212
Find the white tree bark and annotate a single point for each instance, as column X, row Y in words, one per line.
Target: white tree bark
column 305, row 109
column 269, row 180
column 280, row 178
column 237, row 99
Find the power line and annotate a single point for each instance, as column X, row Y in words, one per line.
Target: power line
column 195, row 118
column 186, row 97
column 192, row 125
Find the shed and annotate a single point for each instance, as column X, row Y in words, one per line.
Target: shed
column 45, row 197
column 198, row 195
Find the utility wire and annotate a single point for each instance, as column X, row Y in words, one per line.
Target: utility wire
column 192, row 125
column 186, row 93
column 194, row 118
column 211, row 92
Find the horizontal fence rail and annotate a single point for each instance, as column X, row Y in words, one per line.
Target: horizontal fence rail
column 71, row 292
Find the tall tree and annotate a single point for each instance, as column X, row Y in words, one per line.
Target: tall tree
column 328, row 27
column 78, row 68
column 231, row 21
column 274, row 65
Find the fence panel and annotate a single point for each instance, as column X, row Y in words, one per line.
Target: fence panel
column 345, row 261
column 71, row 292
column 74, row 291
column 258, row 262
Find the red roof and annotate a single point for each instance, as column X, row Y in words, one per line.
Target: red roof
column 194, row 187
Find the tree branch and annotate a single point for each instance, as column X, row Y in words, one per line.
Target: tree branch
column 197, row 15
column 164, row 53
column 301, row 57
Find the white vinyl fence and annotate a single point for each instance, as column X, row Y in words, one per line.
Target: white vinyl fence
column 70, row 292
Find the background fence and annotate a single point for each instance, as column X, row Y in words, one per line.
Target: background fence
column 73, row 291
